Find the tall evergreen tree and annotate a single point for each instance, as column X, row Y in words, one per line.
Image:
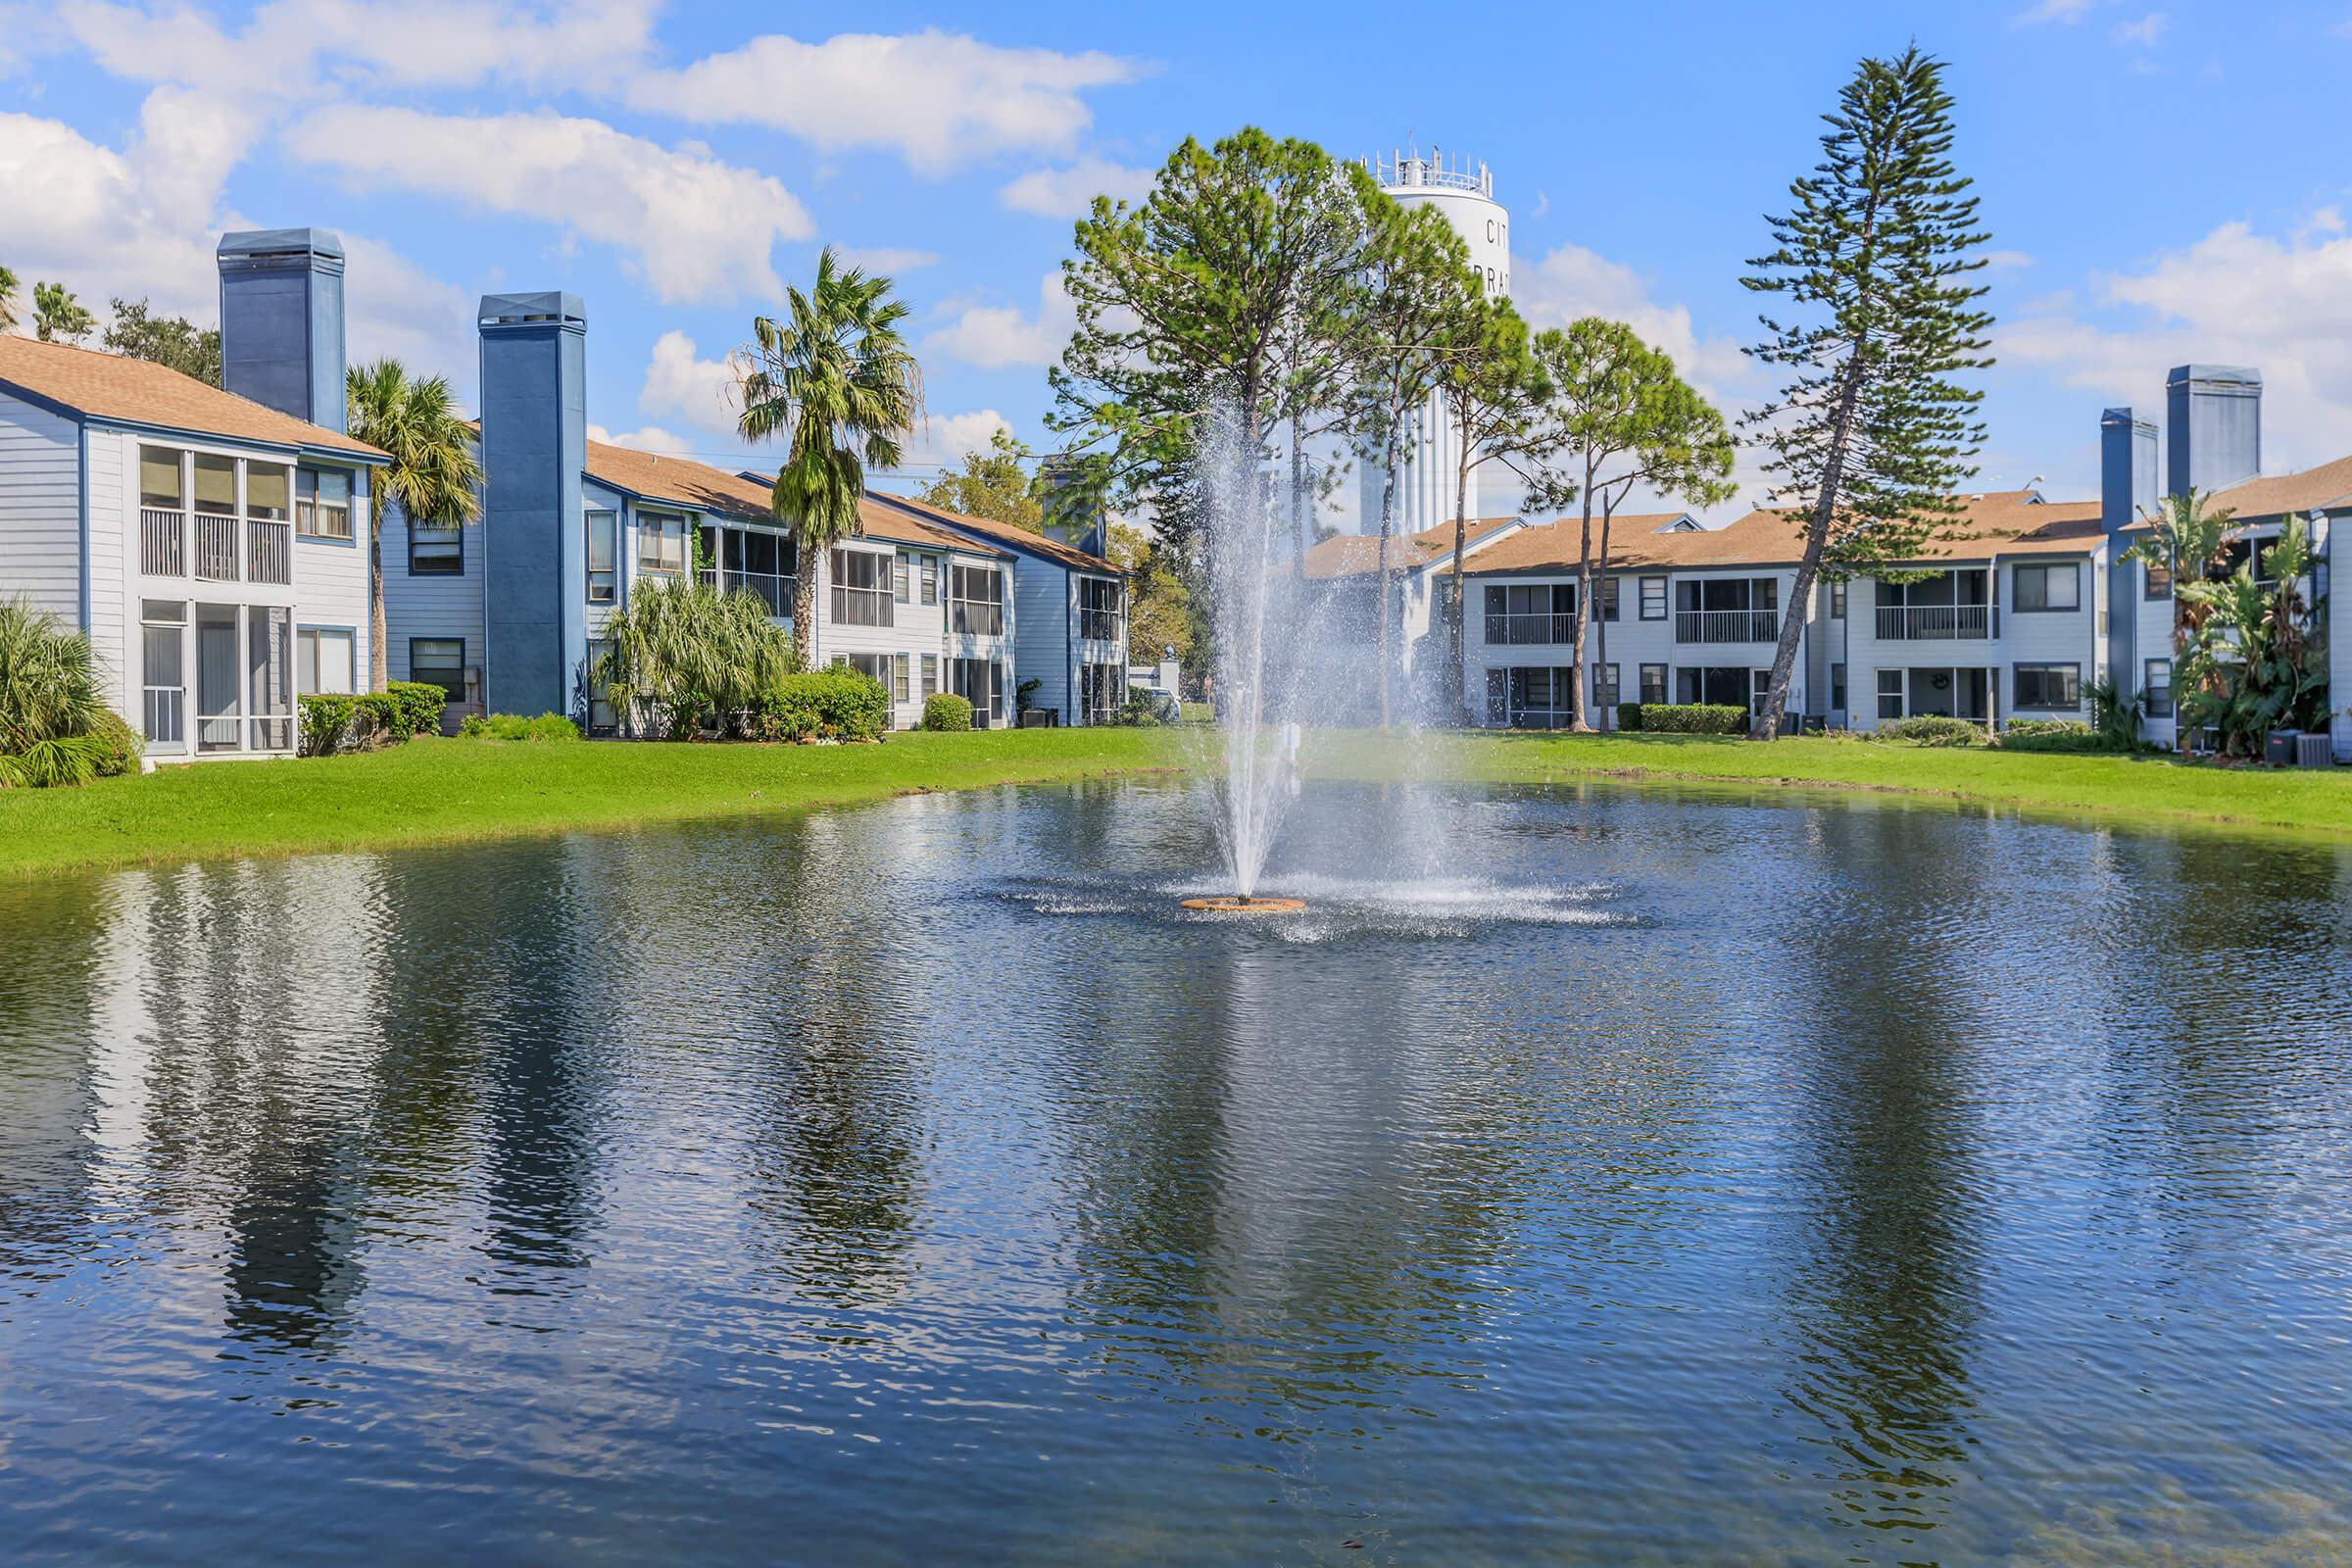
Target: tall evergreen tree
column 1872, row 436
column 1495, row 393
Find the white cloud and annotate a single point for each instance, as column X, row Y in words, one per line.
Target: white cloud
column 943, row 440
column 700, row 229
column 2067, row 11
column 699, row 391
column 1070, row 192
column 393, row 310
column 890, row 259
column 2234, row 297
column 940, row 100
column 2143, row 33
column 1573, row 281
column 992, row 336
column 300, row 48
column 651, row 438
column 2007, row 260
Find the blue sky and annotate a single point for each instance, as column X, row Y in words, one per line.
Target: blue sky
column 2164, row 181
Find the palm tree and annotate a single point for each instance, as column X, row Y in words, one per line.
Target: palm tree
column 8, row 300
column 57, row 314
column 2188, row 544
column 434, row 473
column 51, row 700
column 837, row 383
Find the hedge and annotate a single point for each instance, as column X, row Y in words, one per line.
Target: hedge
column 1693, row 719
column 516, row 727
column 2050, row 735
column 944, row 711
column 1934, row 729
column 337, row 722
column 835, row 704
column 1629, row 715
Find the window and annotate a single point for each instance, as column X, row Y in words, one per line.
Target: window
column 269, row 492
column 975, row 603
column 1609, row 598
column 163, row 644
column 217, row 485
column 1891, row 694
column 902, row 580
column 1100, row 609
column 321, row 504
column 2156, row 686
column 2056, row 586
column 1653, row 599
column 163, row 486
column 604, row 555
column 323, row 660
column 2156, row 580
column 930, row 579
column 601, row 716
column 436, row 550
column 930, row 674
column 1759, row 692
column 1604, row 685
column 1653, row 683
column 2049, row 686
column 1836, row 688
column 861, row 588
column 439, row 662
column 900, row 691
column 1498, row 696
column 1530, row 614
column 660, row 542
column 1837, row 601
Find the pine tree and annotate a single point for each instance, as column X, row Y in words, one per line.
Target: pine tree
column 1871, row 437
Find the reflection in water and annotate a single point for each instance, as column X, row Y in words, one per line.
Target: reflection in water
column 1665, row 1181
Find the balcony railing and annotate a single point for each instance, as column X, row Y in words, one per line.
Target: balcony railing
column 162, row 543
column 216, row 548
column 1529, row 628
column 1727, row 625
column 269, row 551
column 775, row 587
column 1100, row 625
column 1898, row 624
column 976, row 617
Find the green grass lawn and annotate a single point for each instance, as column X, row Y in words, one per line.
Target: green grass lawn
column 442, row 791
column 2145, row 789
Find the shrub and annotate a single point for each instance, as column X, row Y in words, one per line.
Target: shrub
column 832, row 704
column 1629, row 715
column 681, row 649
column 326, row 726
column 944, row 711
column 516, row 727
column 1934, row 729
column 119, row 745
column 2054, row 735
column 1693, row 719
column 778, row 717
column 51, row 706
column 1146, row 707
column 415, row 709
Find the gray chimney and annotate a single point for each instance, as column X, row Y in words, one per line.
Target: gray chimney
column 282, row 320
column 2214, row 413
column 2127, row 488
column 534, row 447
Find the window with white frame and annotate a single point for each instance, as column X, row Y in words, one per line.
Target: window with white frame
column 2049, row 686
column 322, row 503
column 164, row 648
column 976, row 601
column 2156, row 688
column 436, row 549
column 604, row 555
column 660, row 542
column 930, row 676
column 2053, row 585
column 1604, row 685
column 1836, row 688
column 930, row 579
column 861, row 588
column 901, row 579
column 1653, row 599
column 1837, row 599
column 325, row 660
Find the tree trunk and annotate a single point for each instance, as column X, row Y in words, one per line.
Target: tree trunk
column 1609, row 717
column 1388, row 526
column 1767, row 726
column 1584, row 611
column 1301, row 528
column 804, row 602
column 378, row 664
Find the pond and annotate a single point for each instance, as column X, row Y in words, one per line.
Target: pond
column 1588, row 1176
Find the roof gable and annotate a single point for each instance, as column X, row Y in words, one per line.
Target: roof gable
column 117, row 388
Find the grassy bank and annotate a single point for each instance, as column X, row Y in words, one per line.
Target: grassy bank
column 445, row 791
column 2142, row 788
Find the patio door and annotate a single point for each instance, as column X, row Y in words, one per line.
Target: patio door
column 219, row 671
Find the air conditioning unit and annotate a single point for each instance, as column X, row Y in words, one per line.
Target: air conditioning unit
column 2314, row 751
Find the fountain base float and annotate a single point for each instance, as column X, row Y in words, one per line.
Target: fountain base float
column 1240, row 903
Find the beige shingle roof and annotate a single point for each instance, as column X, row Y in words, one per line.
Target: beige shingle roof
column 688, row 483
column 1068, row 555
column 2312, row 490
column 111, row 386
column 1349, row 553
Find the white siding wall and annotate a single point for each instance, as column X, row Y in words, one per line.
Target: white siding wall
column 330, row 582
column 2337, row 550
column 2050, row 637
column 40, row 508
column 2154, row 640
column 114, row 577
column 1091, row 650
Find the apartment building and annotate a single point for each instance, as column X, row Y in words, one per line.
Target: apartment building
column 209, row 542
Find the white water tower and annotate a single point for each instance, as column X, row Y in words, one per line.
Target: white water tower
column 1465, row 194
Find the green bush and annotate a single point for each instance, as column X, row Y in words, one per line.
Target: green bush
column 778, row 717
column 119, row 745
column 516, row 727
column 415, row 709
column 51, row 705
column 1693, row 719
column 325, row 723
column 832, row 704
column 1934, row 729
column 2053, row 735
column 944, row 711
column 1629, row 715
column 1146, row 707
